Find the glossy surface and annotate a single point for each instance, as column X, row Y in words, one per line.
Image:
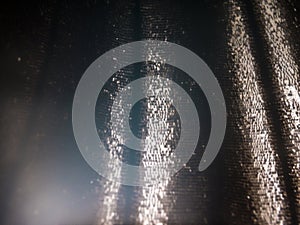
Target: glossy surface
column 253, row 50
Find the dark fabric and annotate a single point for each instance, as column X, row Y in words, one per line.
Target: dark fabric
column 252, row 47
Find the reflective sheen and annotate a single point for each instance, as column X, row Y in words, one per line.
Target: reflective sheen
column 265, row 190
column 277, row 29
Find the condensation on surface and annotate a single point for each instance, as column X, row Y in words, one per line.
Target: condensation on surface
column 265, row 192
column 48, row 46
column 121, row 31
column 108, row 213
column 285, row 77
column 152, row 205
column 158, row 154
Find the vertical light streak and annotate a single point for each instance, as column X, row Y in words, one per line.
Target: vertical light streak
column 285, row 70
column 265, row 192
column 108, row 213
column 158, row 154
column 156, row 24
column 120, row 30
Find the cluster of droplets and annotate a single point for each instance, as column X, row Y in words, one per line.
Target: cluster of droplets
column 158, row 153
column 265, row 194
column 285, row 67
